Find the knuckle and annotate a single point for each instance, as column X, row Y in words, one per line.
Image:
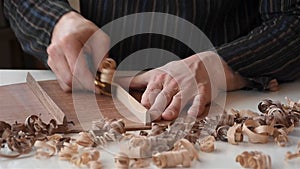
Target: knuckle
column 66, row 40
column 160, row 77
column 145, row 101
column 50, row 49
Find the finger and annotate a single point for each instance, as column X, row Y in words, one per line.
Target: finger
column 197, row 106
column 59, row 65
column 98, row 45
column 76, row 58
column 164, row 98
column 174, row 108
column 149, row 95
column 64, row 86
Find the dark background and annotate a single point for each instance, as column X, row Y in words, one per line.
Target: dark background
column 11, row 54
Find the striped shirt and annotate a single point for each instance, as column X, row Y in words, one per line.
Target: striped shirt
column 257, row 38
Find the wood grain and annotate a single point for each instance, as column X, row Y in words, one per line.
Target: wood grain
column 44, row 98
column 18, row 101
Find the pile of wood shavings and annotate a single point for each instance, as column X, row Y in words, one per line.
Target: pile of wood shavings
column 21, row 137
column 276, row 121
column 166, row 145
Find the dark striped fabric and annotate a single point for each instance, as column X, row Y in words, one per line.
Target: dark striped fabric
column 257, row 38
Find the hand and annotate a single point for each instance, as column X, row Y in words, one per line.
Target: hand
column 73, row 40
column 196, row 79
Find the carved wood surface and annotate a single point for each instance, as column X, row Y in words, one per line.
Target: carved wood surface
column 18, row 101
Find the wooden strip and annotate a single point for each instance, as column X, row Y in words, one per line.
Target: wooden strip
column 133, row 105
column 44, row 98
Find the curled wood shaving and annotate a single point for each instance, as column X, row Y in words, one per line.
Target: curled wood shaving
column 85, row 139
column 67, row 151
column 95, row 165
column 104, row 78
column 4, row 126
column 234, row 134
column 107, row 69
column 289, row 155
column 20, row 137
column 137, row 147
column 79, row 156
column 121, row 161
column 172, row 159
column 45, row 149
column 185, row 144
column 100, row 140
column 194, row 133
column 19, row 142
column 207, row 144
column 281, row 137
column 254, row 160
column 182, row 154
column 105, row 130
column 253, row 136
column 157, row 129
column 158, row 143
column 139, row 163
column 221, row 133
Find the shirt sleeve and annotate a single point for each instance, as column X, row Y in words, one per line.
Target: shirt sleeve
column 271, row 50
column 33, row 22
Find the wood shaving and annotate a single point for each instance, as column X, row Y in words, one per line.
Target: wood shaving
column 254, row 160
column 157, row 129
column 79, row 156
column 207, row 144
column 104, row 78
column 95, row 165
column 137, row 147
column 139, row 163
column 254, row 137
column 21, row 137
column 122, row 161
column 45, row 149
column 281, row 137
column 170, row 159
column 105, row 131
column 222, row 133
column 277, row 121
column 85, row 139
column 185, row 144
column 183, row 154
column 234, row 134
column 289, row 155
column 166, row 145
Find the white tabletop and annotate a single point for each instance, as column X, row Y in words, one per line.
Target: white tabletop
column 223, row 157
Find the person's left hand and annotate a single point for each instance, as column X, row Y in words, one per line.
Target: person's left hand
column 197, row 79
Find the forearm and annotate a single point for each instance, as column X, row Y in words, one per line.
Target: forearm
column 270, row 51
column 33, row 22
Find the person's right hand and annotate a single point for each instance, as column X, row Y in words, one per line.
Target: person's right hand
column 75, row 38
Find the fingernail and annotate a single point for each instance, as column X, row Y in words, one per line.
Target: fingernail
column 169, row 115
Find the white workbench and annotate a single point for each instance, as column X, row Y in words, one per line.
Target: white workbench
column 223, row 157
